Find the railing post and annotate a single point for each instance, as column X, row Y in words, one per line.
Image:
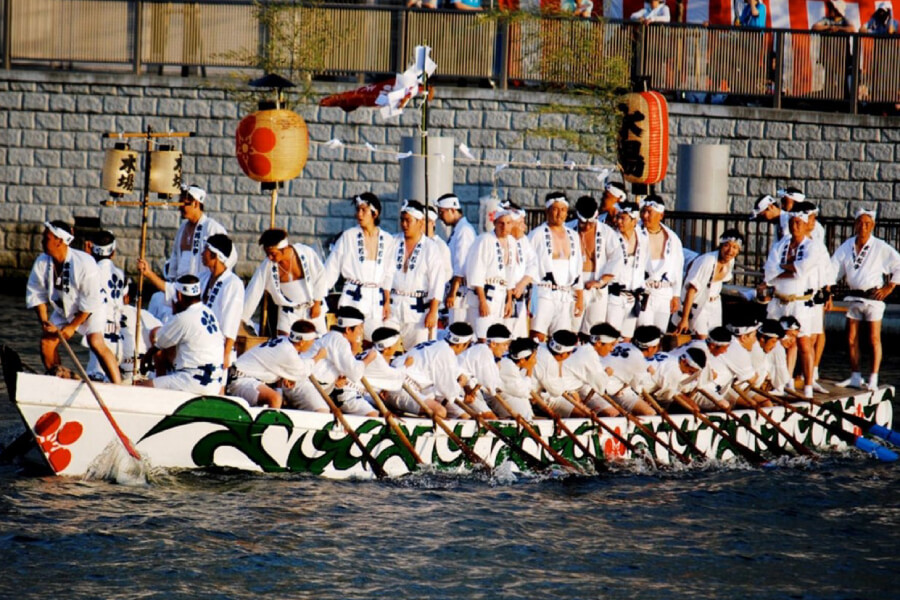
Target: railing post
column 138, row 36
column 856, row 42
column 7, row 33
column 502, row 64
column 779, row 68
column 399, row 39
column 637, row 55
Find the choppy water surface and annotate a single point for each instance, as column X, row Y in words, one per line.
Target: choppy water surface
column 805, row 530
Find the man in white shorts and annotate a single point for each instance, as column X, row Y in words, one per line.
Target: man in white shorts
column 450, row 212
column 559, row 297
column 259, row 373
column 701, row 304
column 665, row 265
column 195, row 229
column 489, row 275
column 871, row 268
column 64, row 290
column 597, row 248
column 628, row 265
column 194, row 337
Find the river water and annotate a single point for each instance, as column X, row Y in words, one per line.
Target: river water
column 824, row 530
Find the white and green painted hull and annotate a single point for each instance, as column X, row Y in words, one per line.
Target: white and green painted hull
column 181, row 430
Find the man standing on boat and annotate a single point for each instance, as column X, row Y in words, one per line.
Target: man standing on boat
column 665, row 265
column 195, row 229
column 291, row 274
column 191, row 342
column 102, row 246
column 613, row 194
column 489, row 274
column 364, row 257
column 871, row 268
column 701, row 305
column 560, row 294
column 417, row 284
column 597, row 248
column 64, row 290
column 523, row 271
column 628, row 265
column 450, row 212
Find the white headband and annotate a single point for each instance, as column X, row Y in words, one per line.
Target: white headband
column 432, row 215
column 358, row 200
column 296, row 336
column 764, row 203
column 62, row 234
column 523, row 353
column 449, row 202
column 603, row 339
column 282, row 244
column 518, row 215
column 196, row 193
column 795, row 196
column 862, row 211
column 615, row 191
column 219, row 254
column 188, row 289
column 646, row 344
column 725, row 239
column 386, row 343
column 558, row 348
column 346, row 322
column 584, row 219
column 413, row 212
column 803, row 216
column 103, row 251
column 501, row 213
column 554, row 198
column 690, row 360
column 735, row 330
column 453, row 338
column 654, row 205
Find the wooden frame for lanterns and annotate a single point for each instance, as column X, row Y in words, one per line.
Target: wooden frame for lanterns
column 148, row 136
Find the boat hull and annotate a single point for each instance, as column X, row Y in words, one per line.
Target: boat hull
column 181, row 430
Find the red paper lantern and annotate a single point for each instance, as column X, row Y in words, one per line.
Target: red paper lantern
column 644, row 137
column 272, row 145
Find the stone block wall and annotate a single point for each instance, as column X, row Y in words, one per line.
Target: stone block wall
column 52, row 152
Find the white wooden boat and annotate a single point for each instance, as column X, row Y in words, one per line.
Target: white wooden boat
column 181, row 430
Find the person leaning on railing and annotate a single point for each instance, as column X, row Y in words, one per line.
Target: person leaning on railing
column 753, row 16
column 881, row 22
column 654, row 11
column 835, row 19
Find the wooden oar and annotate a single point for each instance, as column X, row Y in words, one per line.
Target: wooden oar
column 724, row 407
column 373, row 464
column 392, row 421
column 122, row 437
column 867, row 426
column 559, row 458
column 533, row 463
column 863, row 443
column 685, row 439
column 600, row 424
column 794, row 442
column 647, row 431
column 470, row 454
column 599, row 464
column 748, row 454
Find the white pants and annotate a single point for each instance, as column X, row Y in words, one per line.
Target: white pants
column 659, row 309
column 496, row 297
column 553, row 310
column 596, row 302
column 620, row 313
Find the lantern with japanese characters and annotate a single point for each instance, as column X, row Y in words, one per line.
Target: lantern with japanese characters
column 272, row 145
column 643, row 142
column 165, row 171
column 119, row 169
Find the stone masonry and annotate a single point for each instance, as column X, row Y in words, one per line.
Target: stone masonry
column 51, row 155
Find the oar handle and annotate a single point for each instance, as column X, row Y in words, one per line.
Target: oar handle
column 647, row 431
column 559, row 458
column 376, row 468
column 391, row 420
column 464, row 448
column 598, row 463
column 121, row 434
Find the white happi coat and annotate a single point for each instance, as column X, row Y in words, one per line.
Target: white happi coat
column 523, row 264
column 867, row 269
column 744, row 364
column 707, row 298
column 76, row 290
column 630, row 368
column 189, row 261
column 810, row 259
column 446, row 270
column 663, row 279
column 459, row 243
column 488, row 267
column 668, row 380
column 517, row 386
column 414, row 286
column 775, row 367
column 596, row 299
column 127, row 323
column 293, row 298
column 112, row 281
column 435, row 370
column 554, row 377
column 364, row 279
column 273, row 360
column 589, row 368
column 557, row 280
column 199, row 347
column 225, row 298
column 479, row 362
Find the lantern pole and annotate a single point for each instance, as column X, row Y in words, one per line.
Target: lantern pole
column 424, row 135
column 145, row 204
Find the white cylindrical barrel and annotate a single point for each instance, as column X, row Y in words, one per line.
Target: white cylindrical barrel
column 412, row 169
column 702, row 183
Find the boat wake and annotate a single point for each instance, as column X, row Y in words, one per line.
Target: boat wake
column 116, row 465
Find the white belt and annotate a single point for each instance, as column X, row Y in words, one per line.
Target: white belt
column 658, row 285
column 416, row 294
column 362, row 284
column 555, row 288
column 496, row 281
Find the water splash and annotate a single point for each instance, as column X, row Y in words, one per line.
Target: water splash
column 116, row 465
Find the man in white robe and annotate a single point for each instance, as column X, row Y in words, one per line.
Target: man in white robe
column 664, row 268
column 517, row 378
column 102, row 246
column 597, row 249
column 628, row 267
column 64, row 290
column 450, row 212
column 489, row 275
column 524, row 271
column 195, row 229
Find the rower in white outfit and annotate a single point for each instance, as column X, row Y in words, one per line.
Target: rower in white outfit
column 450, row 212
column 102, row 246
column 524, row 271
column 517, row 377
column 417, row 284
column 489, row 276
column 559, row 297
column 871, row 268
column 555, row 379
column 597, row 248
column 64, row 290
column 193, row 336
column 195, row 228
column 628, row 267
column 481, row 363
column 364, row 256
column 665, row 265
column 259, row 374
column 292, row 275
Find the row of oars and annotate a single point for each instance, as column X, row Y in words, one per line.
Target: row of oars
column 599, row 464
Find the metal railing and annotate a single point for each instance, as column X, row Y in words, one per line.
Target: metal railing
column 365, row 40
